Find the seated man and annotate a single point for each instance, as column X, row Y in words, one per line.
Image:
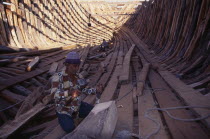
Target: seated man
column 104, row 45
column 66, row 89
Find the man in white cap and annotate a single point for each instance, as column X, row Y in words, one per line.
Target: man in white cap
column 66, row 89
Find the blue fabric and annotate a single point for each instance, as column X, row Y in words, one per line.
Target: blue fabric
column 85, row 109
column 67, row 122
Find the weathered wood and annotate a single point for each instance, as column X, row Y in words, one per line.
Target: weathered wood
column 97, row 76
column 97, row 56
column 109, row 91
column 135, row 100
column 9, row 112
column 83, row 74
column 125, row 112
column 29, row 101
column 15, row 70
column 146, row 126
column 39, row 127
column 104, row 115
column 35, row 82
column 125, row 71
column 11, row 97
column 32, row 65
column 189, row 95
column 4, row 49
column 33, row 53
column 53, row 68
column 4, row 62
column 200, row 83
column 21, row 90
column 104, row 78
column 142, row 78
column 14, row 80
column 178, row 129
column 83, row 57
column 56, row 133
column 14, row 125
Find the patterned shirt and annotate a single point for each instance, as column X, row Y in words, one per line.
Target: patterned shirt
column 67, row 95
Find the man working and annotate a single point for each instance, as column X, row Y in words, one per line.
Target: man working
column 104, row 45
column 67, row 88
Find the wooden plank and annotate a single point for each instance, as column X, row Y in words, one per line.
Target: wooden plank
column 146, row 126
column 8, row 72
column 42, row 57
column 32, row 65
column 3, row 117
column 35, row 82
column 6, row 28
column 104, row 79
column 29, row 101
column 11, row 97
column 14, row 125
column 21, row 90
column 125, row 71
column 189, row 95
column 84, row 57
column 32, row 53
column 178, row 129
column 109, row 91
column 126, row 111
column 39, row 127
column 104, row 115
column 11, row 111
column 56, row 133
column 142, row 78
column 110, row 2
column 200, row 83
column 94, row 79
column 20, row 78
column 53, row 68
column 17, row 71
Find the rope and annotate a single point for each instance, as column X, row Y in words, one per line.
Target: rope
column 173, row 117
column 124, row 95
column 11, row 106
column 146, row 115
